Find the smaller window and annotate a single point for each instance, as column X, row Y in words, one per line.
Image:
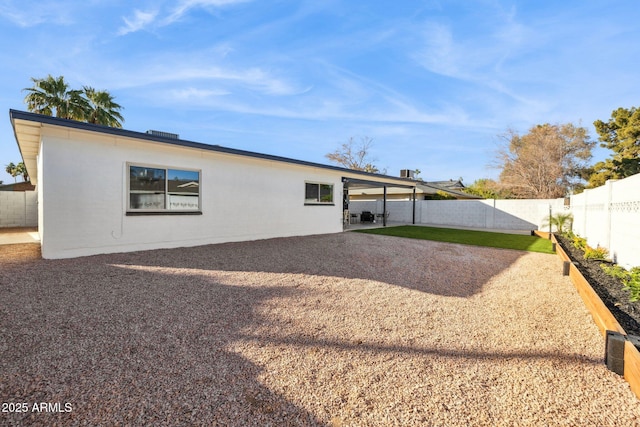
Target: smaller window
column 318, row 194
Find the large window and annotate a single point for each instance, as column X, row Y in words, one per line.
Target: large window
column 318, row 194
column 157, row 189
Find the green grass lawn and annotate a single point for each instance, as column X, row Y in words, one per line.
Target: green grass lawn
column 467, row 237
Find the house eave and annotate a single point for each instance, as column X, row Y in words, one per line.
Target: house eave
column 27, row 130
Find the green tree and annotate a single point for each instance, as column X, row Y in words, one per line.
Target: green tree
column 21, row 169
column 16, row 170
column 486, row 188
column 12, row 170
column 621, row 134
column 51, row 96
column 547, row 162
column 103, row 110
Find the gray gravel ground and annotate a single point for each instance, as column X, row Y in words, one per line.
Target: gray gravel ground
column 338, row 330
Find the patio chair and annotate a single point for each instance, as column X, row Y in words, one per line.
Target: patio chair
column 367, row 216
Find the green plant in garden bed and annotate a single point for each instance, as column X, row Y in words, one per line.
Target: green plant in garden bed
column 579, row 242
column 598, row 254
column 561, row 221
column 630, row 279
column 468, row 237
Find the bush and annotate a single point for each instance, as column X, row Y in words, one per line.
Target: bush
column 579, row 242
column 598, row 253
column 561, row 221
column 630, row 279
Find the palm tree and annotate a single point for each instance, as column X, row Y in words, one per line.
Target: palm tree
column 15, row 170
column 560, row 221
column 52, row 96
column 12, row 170
column 103, row 110
column 21, row 169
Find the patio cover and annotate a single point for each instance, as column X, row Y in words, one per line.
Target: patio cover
column 350, row 182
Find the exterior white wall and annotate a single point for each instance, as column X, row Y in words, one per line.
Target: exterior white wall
column 18, row 209
column 84, row 197
column 609, row 216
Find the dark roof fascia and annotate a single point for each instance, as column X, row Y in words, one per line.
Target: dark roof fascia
column 73, row 124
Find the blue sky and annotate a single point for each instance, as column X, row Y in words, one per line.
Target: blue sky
column 433, row 83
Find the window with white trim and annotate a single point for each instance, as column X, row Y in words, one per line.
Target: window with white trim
column 317, row 193
column 156, row 189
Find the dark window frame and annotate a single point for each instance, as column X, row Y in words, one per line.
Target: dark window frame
column 315, row 189
column 163, row 187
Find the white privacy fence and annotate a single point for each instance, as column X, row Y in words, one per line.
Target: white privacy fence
column 18, row 209
column 608, row 216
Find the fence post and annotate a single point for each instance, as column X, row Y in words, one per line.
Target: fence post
column 607, row 209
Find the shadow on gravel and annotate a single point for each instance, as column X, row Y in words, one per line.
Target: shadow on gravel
column 125, row 345
column 349, row 347
column 132, row 347
column 437, row 268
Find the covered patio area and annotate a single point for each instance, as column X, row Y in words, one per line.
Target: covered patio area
column 354, row 219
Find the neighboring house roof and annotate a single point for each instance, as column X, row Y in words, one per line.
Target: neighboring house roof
column 432, row 188
column 27, row 129
column 450, row 184
column 191, row 184
column 422, row 188
column 18, row 186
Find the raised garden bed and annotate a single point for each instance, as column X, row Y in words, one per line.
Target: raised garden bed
column 609, row 289
column 608, row 302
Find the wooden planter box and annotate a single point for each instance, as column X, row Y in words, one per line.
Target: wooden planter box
column 602, row 317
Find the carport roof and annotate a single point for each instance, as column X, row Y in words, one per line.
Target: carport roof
column 367, row 183
column 27, row 129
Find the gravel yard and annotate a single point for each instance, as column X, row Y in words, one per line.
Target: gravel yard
column 339, row 330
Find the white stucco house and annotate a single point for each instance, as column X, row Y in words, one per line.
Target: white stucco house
column 105, row 190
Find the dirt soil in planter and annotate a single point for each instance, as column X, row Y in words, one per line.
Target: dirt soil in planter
column 609, row 289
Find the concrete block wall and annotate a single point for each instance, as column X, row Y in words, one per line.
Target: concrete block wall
column 488, row 214
column 18, row 209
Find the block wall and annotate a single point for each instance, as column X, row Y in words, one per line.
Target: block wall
column 18, row 209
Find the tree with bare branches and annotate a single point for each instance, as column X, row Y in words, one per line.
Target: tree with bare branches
column 548, row 162
column 353, row 155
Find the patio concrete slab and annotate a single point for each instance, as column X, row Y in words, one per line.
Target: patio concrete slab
column 12, row 236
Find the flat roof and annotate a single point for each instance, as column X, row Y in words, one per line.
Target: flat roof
column 27, row 127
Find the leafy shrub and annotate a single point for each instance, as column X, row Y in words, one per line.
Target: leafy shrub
column 579, row 242
column 561, row 221
column 630, row 279
column 598, row 253
column 633, row 284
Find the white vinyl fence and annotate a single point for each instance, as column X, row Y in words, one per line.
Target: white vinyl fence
column 18, row 209
column 609, row 216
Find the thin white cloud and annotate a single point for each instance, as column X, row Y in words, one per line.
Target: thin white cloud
column 190, row 94
column 196, row 71
column 30, row 14
column 139, row 21
column 184, row 6
column 143, row 20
